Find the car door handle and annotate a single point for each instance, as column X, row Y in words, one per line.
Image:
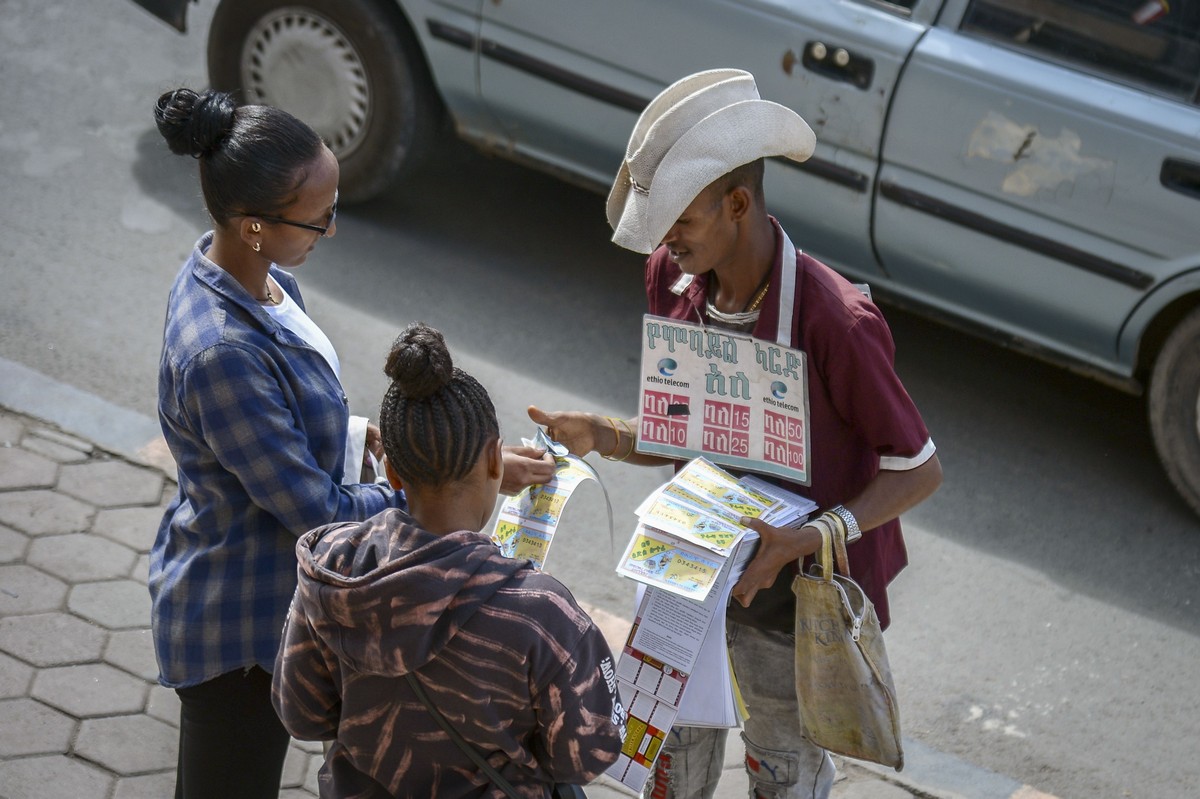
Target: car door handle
column 838, row 63
column 1181, row 176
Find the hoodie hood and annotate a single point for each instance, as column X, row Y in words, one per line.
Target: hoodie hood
column 387, row 596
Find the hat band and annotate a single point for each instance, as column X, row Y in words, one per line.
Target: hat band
column 638, row 187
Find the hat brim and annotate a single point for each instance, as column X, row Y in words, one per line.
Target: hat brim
column 719, row 143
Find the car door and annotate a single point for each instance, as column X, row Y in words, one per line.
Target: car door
column 568, row 78
column 1042, row 166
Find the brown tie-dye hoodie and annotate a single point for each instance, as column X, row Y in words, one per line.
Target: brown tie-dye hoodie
column 502, row 650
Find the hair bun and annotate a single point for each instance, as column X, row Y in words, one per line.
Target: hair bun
column 194, row 124
column 419, row 363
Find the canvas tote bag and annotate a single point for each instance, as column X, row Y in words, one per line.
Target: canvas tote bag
column 843, row 681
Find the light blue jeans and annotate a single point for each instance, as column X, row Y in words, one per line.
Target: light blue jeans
column 780, row 762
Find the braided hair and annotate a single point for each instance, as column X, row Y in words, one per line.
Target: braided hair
column 435, row 418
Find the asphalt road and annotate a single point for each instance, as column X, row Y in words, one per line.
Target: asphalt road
column 1048, row 626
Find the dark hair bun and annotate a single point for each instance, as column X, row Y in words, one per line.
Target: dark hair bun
column 419, row 363
column 194, row 124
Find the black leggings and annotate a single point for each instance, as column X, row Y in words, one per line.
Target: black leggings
column 231, row 742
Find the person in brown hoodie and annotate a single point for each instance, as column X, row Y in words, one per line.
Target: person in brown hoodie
column 502, row 650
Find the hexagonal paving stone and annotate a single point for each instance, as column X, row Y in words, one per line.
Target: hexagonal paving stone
column 109, row 484
column 22, row 469
column 164, row 705
column 141, row 570
column 30, row 728
column 51, row 639
column 128, row 744
column 59, row 439
column 95, row 689
column 53, row 777
column 15, row 677
column 117, row 604
column 147, row 786
column 12, row 429
column 80, row 557
column 295, row 767
column 310, row 779
column 24, row 589
column 133, row 527
column 133, row 650
column 55, row 451
column 44, row 512
column 12, row 545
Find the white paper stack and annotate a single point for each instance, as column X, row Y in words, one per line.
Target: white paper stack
column 688, row 551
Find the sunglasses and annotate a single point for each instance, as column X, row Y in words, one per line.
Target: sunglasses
column 305, row 225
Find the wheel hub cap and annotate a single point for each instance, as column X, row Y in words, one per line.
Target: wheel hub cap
column 299, row 61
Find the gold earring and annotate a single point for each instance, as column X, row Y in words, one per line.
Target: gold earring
column 255, row 227
column 257, row 246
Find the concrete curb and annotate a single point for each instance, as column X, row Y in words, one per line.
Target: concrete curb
column 927, row 773
column 110, row 427
column 937, row 775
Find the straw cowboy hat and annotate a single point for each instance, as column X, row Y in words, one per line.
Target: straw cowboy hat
column 697, row 130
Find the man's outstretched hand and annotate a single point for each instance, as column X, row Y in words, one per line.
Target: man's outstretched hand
column 575, row 430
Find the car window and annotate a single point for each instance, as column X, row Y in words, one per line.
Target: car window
column 1150, row 43
column 903, row 7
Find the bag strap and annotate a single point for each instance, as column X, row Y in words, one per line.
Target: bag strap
column 839, row 552
column 832, row 554
column 469, row 750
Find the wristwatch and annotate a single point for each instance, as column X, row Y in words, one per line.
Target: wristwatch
column 852, row 531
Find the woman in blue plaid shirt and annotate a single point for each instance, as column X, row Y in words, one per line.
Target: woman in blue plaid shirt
column 252, row 407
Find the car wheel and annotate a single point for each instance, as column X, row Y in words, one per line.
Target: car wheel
column 349, row 68
column 1174, row 406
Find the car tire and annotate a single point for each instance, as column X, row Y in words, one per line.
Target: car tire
column 351, row 69
column 1174, row 407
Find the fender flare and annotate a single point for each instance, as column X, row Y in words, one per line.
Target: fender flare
column 1176, row 296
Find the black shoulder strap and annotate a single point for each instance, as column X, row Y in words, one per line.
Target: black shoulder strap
column 469, row 750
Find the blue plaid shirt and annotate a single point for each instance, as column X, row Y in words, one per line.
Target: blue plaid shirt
column 256, row 421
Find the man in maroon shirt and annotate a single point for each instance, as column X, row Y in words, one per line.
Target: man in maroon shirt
column 690, row 194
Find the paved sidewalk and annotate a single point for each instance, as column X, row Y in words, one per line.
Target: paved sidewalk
column 81, row 713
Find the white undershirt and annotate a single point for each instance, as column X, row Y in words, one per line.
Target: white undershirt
column 289, row 314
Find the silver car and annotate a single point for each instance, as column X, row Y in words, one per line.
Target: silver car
column 1026, row 169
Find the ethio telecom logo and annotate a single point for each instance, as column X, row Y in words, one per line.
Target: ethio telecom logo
column 778, row 390
column 667, row 367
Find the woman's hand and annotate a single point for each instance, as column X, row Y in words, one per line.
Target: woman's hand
column 374, row 442
column 576, row 430
column 374, row 446
column 525, row 466
column 777, row 547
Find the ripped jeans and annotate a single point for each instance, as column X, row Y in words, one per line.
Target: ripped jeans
column 780, row 762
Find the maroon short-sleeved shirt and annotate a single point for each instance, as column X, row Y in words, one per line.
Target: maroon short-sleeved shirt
column 861, row 418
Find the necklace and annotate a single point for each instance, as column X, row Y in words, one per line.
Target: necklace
column 745, row 318
column 269, row 298
column 758, row 297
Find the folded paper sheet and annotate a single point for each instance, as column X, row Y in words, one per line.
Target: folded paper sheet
column 526, row 522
